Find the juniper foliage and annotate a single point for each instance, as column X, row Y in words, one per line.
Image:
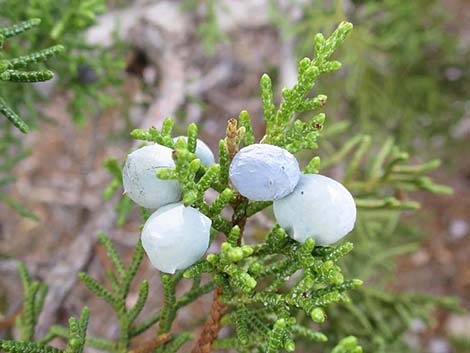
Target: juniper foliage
column 275, row 294
column 10, row 68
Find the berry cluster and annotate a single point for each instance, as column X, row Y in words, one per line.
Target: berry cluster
column 176, row 236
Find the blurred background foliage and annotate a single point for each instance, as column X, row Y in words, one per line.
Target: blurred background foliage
column 403, row 72
column 87, row 73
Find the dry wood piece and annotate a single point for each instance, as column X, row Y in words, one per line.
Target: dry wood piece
column 64, row 271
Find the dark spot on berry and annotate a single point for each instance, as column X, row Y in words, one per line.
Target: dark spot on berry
column 301, row 193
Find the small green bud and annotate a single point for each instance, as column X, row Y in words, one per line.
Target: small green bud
column 338, row 278
column 320, row 118
column 309, row 244
column 322, row 98
column 313, row 165
column 235, row 254
column 265, row 80
column 331, row 66
column 247, row 250
column 251, row 282
column 312, row 73
column 165, row 173
column 357, row 282
column 319, row 38
column 285, row 92
column 256, row 267
column 35, row 21
column 281, row 323
column 195, row 165
column 305, row 63
column 180, row 143
column 74, row 342
column 317, row 315
column 345, row 298
column 289, row 346
column 345, row 26
column 348, row 342
column 328, row 265
column 212, row 258
column 309, row 281
column 190, row 197
column 167, row 126
column 225, row 246
column 4, row 64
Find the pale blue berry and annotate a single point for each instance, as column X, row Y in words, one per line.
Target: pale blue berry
column 175, row 237
column 318, row 208
column 141, row 183
column 263, row 172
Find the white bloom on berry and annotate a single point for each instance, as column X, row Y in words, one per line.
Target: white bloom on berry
column 175, row 237
column 203, row 152
column 263, row 172
column 319, row 207
column 141, row 183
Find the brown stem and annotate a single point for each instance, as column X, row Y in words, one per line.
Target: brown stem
column 212, row 327
column 150, row 345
